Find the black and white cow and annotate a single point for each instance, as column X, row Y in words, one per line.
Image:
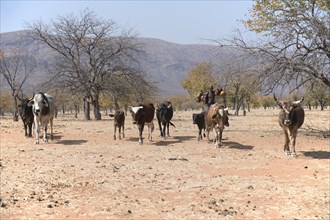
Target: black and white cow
column 164, row 115
column 43, row 107
column 141, row 114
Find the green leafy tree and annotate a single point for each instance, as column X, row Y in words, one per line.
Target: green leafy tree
column 299, row 33
column 200, row 78
column 318, row 92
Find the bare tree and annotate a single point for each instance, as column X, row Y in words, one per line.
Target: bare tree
column 295, row 47
column 16, row 66
column 240, row 80
column 88, row 54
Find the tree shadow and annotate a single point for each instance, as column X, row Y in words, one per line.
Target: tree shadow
column 317, row 154
column 72, row 142
column 236, row 145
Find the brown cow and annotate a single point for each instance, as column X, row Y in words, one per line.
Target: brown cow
column 291, row 118
column 216, row 118
column 119, row 122
column 141, row 114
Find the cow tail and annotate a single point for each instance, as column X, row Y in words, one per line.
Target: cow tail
column 172, row 124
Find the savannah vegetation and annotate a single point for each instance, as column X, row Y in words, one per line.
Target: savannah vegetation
column 96, row 62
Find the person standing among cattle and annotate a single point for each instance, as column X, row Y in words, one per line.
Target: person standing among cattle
column 209, row 98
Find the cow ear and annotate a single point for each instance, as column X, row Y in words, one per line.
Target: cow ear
column 46, row 103
column 221, row 112
column 279, row 104
column 31, row 103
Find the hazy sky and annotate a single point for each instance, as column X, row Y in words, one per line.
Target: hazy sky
column 183, row 22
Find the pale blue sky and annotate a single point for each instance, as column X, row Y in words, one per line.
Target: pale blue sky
column 186, row 22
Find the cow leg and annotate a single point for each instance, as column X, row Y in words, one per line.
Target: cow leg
column 119, row 132
column 199, row 134
column 123, row 127
column 114, row 132
column 141, row 126
column 220, row 137
column 293, row 143
column 51, row 129
column 37, row 132
column 168, row 129
column 45, row 133
column 25, row 128
column 208, row 133
column 286, row 142
column 164, row 131
column 30, row 130
column 217, row 138
column 160, row 128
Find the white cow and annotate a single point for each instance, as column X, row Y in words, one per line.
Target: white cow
column 43, row 107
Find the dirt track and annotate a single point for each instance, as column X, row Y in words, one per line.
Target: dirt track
column 83, row 173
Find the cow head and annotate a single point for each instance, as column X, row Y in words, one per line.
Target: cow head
column 136, row 112
column 39, row 103
column 287, row 109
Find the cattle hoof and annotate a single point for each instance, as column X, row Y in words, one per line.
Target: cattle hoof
column 45, row 140
column 36, row 142
column 287, row 152
column 294, row 155
column 114, row 138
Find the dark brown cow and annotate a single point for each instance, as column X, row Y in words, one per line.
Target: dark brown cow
column 141, row 114
column 27, row 116
column 119, row 122
column 199, row 120
column 291, row 118
column 216, row 118
column 164, row 114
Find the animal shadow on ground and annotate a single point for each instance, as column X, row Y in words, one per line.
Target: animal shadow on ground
column 175, row 139
column 71, row 142
column 317, row 154
column 57, row 137
column 236, row 145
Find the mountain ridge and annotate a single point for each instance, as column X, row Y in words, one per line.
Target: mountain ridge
column 166, row 63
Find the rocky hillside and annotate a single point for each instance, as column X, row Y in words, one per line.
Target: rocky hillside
column 166, row 63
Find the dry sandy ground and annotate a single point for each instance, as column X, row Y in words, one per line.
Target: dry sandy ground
column 84, row 174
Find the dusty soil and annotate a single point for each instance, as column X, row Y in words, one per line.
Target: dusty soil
column 84, row 174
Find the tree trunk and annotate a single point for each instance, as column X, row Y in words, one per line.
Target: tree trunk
column 15, row 111
column 97, row 114
column 86, row 109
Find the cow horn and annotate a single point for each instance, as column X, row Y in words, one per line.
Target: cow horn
column 32, row 97
column 19, row 98
column 299, row 101
column 169, row 106
column 279, row 103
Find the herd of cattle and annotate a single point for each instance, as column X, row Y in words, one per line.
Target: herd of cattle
column 40, row 111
